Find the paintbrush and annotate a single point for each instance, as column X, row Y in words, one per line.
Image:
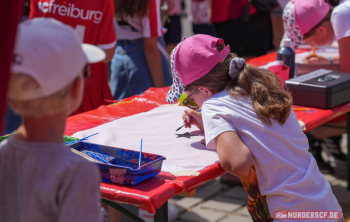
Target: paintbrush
column 313, row 51
column 84, row 155
column 186, row 122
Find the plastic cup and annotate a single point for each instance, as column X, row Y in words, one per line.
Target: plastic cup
column 281, row 71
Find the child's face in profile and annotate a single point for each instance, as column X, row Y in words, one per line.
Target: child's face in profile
column 200, row 97
column 323, row 35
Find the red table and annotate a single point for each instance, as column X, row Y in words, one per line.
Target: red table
column 154, row 193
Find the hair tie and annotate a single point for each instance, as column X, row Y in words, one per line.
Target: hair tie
column 236, row 66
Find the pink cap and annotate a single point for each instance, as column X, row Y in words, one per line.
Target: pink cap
column 197, row 55
column 192, row 59
column 308, row 13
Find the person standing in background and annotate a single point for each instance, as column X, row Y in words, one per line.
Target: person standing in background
column 173, row 24
column 93, row 22
column 246, row 38
column 201, row 17
column 139, row 61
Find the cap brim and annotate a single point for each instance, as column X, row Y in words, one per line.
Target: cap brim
column 93, row 53
column 174, row 93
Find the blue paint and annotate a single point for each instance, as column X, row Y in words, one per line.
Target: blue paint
column 85, row 138
column 125, row 167
column 97, row 157
column 140, row 154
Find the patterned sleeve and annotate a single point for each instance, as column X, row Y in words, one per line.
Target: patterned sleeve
column 151, row 24
column 106, row 37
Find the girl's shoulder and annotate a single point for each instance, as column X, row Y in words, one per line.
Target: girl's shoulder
column 223, row 100
column 343, row 8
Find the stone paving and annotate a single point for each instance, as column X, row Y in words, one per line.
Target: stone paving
column 216, row 202
column 228, row 204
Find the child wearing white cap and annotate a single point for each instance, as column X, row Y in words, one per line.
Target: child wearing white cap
column 247, row 117
column 41, row 179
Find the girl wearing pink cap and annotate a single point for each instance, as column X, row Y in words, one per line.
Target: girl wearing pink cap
column 317, row 23
column 248, row 119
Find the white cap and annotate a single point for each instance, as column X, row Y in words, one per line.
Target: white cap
column 51, row 53
column 286, row 43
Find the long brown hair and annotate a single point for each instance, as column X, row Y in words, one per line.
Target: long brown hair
column 269, row 100
column 130, row 8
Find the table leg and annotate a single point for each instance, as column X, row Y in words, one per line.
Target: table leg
column 162, row 213
column 348, row 158
column 123, row 210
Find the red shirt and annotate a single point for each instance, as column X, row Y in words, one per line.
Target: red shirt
column 93, row 22
column 223, row 10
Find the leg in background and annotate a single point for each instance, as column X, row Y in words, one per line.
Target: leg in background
column 173, row 36
column 323, row 131
column 114, row 215
column 162, row 213
column 277, row 26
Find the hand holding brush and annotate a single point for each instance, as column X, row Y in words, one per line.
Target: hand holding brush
column 192, row 117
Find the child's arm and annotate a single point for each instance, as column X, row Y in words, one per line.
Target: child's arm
column 234, row 155
column 319, row 60
column 305, row 68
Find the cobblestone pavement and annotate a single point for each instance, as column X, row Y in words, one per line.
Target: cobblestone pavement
column 217, row 202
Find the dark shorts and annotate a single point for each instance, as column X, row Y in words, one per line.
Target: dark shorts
column 203, row 29
column 252, row 38
column 173, row 35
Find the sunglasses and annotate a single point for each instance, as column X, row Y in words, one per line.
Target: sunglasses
column 86, row 71
column 189, row 102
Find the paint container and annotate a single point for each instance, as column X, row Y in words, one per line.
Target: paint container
column 121, row 165
column 281, row 71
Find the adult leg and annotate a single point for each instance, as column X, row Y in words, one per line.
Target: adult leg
column 173, row 36
column 329, row 130
column 119, row 73
column 168, row 79
column 203, row 29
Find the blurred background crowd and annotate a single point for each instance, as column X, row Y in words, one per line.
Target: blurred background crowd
column 138, row 37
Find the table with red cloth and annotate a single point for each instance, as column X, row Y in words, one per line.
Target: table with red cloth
column 152, row 195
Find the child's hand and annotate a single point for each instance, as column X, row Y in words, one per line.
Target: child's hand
column 317, row 59
column 196, row 120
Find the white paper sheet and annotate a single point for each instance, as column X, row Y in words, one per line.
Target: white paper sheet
column 157, row 128
column 325, row 51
